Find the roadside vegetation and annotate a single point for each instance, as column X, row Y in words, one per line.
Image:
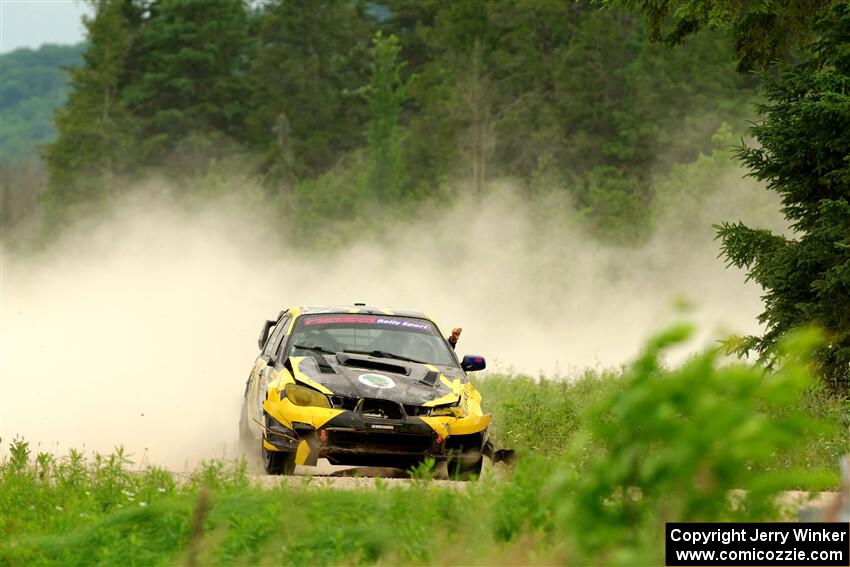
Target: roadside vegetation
column 604, row 461
column 339, row 115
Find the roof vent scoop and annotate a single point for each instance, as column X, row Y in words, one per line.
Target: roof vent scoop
column 360, row 305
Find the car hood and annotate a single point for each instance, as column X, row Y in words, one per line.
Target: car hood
column 381, row 378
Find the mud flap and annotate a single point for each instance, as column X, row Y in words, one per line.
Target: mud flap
column 507, row 456
column 307, row 452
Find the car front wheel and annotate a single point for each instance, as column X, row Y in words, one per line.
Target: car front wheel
column 278, row 462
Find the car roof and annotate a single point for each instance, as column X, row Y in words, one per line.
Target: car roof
column 357, row 308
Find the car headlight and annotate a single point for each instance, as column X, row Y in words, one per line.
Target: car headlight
column 304, row 396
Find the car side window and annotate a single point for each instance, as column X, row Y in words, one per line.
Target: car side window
column 273, row 343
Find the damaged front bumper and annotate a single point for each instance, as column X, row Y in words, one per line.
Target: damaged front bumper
column 365, row 436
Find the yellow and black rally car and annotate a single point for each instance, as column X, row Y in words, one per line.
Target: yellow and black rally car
column 362, row 386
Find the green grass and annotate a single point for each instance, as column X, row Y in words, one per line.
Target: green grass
column 137, row 519
column 538, row 416
column 676, row 441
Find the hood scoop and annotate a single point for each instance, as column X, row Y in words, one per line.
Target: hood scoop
column 431, row 378
column 371, row 364
column 323, row 365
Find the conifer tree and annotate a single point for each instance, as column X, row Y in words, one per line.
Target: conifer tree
column 96, row 131
column 313, row 55
column 189, row 80
column 763, row 32
column 386, row 94
column 803, row 154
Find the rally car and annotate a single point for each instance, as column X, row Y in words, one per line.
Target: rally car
column 362, row 386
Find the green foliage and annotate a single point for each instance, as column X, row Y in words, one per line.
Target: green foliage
column 764, row 32
column 22, row 181
column 314, row 55
column 545, row 416
column 95, row 128
column 33, row 85
column 162, row 85
column 804, row 141
column 540, row 416
column 604, row 461
column 512, row 85
column 386, row 94
column 684, row 188
column 802, row 155
column 557, row 96
column 188, row 75
column 672, row 446
column 57, row 494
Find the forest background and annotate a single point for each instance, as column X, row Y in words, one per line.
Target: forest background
column 346, row 114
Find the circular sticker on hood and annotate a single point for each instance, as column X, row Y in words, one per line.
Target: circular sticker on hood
column 377, row 380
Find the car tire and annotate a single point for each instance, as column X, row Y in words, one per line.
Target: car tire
column 278, row 462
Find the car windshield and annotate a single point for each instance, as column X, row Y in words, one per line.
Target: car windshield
column 404, row 338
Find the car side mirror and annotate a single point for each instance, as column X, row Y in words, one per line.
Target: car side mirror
column 472, row 362
column 264, row 333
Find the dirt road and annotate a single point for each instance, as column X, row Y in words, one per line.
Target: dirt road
column 325, row 475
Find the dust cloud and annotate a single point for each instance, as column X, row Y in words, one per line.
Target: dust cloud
column 140, row 330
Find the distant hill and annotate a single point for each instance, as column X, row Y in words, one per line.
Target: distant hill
column 32, row 85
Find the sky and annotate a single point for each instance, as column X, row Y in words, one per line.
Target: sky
column 32, row 23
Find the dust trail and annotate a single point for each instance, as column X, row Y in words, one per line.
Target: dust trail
column 140, row 330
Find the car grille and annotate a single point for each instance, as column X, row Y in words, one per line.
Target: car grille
column 380, row 442
column 416, row 411
column 381, row 408
column 341, row 402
